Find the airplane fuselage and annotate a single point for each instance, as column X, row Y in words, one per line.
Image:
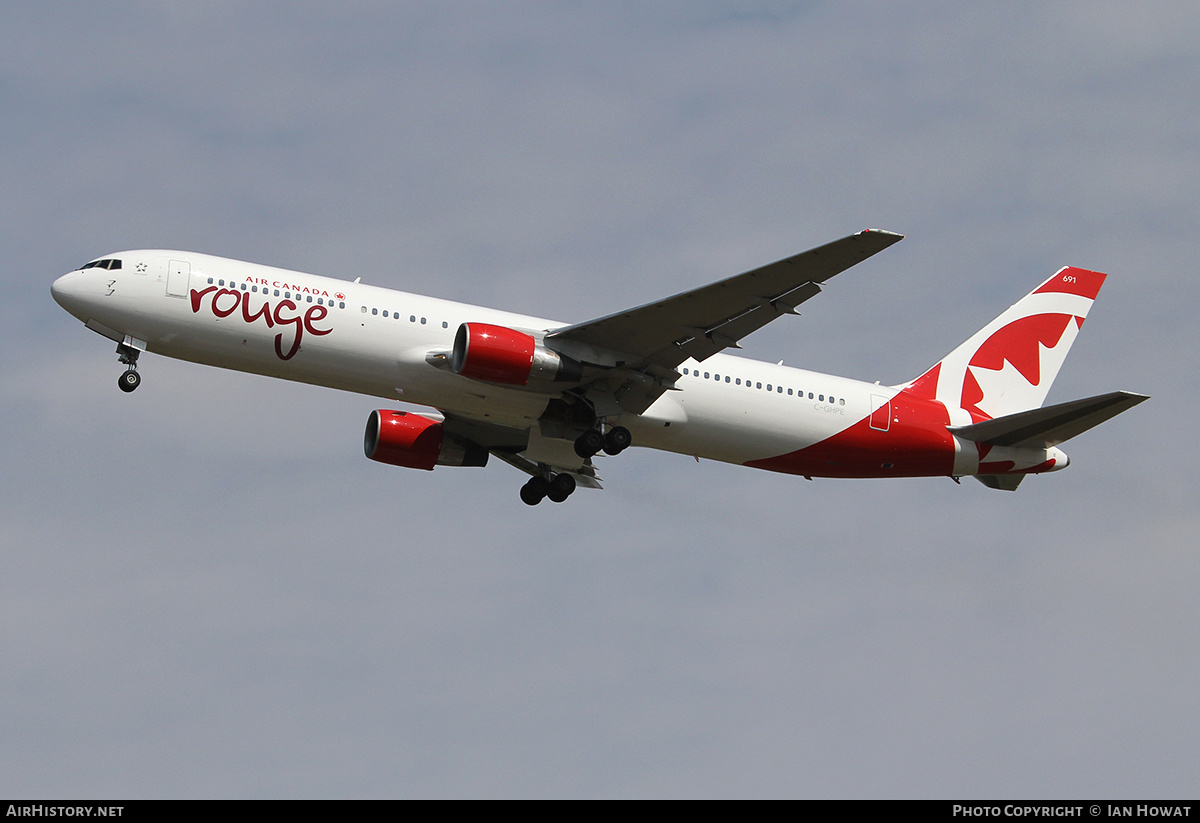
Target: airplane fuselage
column 391, row 344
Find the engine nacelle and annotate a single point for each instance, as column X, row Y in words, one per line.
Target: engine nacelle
column 498, row 354
column 416, row 442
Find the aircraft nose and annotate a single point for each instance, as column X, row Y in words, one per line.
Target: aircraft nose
column 66, row 291
column 60, row 287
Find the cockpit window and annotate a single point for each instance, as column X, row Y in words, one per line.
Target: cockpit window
column 108, row 263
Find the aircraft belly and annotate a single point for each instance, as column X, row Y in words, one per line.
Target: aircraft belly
column 909, row 439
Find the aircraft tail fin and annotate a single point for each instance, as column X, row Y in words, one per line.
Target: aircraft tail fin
column 1009, row 364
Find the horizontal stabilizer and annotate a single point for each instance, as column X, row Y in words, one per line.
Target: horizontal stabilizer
column 1050, row 425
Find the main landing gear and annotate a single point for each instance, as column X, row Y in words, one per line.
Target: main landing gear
column 130, row 380
column 557, row 487
column 592, row 442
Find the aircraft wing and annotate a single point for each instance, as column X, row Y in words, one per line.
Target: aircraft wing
column 702, row 322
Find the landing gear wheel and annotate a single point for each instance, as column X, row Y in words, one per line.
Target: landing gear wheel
column 129, row 381
column 589, row 443
column 617, row 440
column 561, row 487
column 533, row 491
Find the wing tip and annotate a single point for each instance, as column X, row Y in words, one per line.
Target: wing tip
column 890, row 234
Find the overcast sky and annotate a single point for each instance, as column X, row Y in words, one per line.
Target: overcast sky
column 206, row 589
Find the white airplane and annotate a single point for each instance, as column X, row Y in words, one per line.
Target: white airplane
column 548, row 397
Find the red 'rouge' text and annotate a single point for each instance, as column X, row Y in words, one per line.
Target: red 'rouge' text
column 225, row 302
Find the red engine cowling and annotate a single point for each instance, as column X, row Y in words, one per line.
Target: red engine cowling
column 416, row 442
column 498, row 354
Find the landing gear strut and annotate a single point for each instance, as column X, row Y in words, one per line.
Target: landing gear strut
column 558, row 488
column 130, row 380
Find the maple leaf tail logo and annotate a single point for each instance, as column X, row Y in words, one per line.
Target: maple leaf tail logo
column 1013, row 369
column 1009, row 365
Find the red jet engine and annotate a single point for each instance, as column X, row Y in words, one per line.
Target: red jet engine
column 498, row 354
column 416, row 442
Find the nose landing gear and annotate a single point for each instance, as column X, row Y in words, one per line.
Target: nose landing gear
column 129, row 381
column 128, row 355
